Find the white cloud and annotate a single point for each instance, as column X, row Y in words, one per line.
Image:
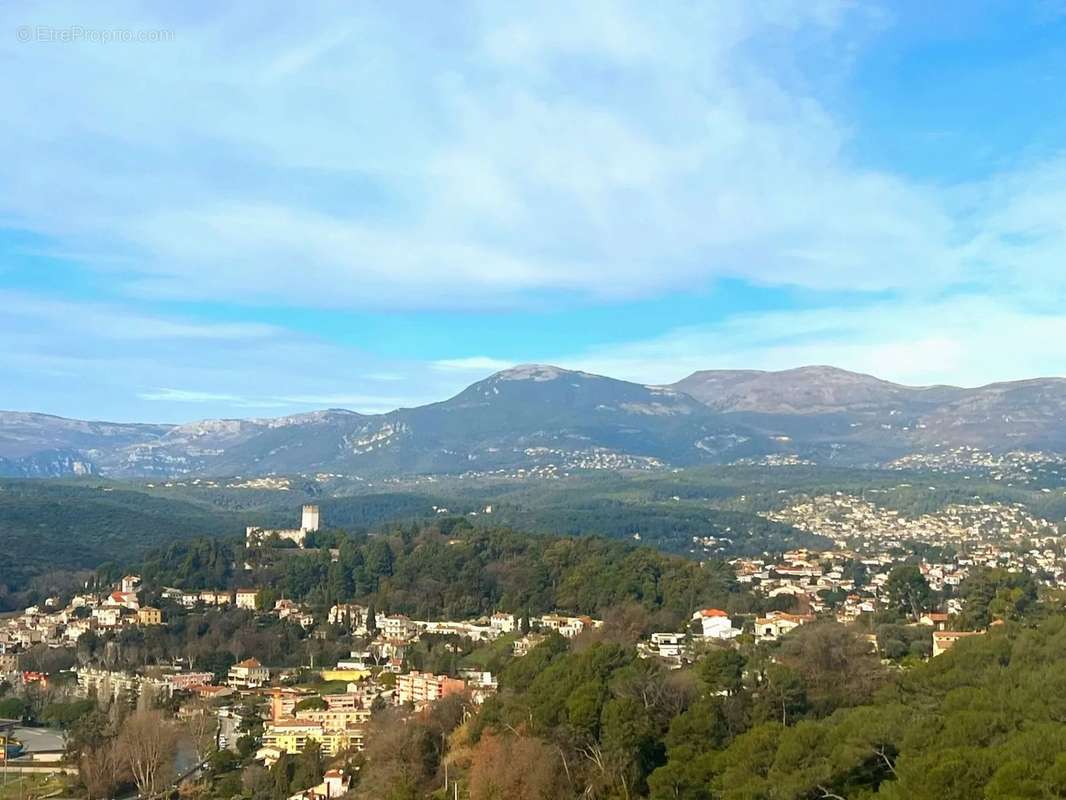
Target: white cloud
column 518, row 157
column 968, row 341
column 116, row 322
column 367, row 403
column 600, row 151
column 472, row 364
column 187, row 396
column 86, row 360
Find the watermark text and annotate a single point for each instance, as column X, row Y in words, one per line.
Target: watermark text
column 69, row 34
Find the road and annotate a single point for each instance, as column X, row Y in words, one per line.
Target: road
column 228, row 729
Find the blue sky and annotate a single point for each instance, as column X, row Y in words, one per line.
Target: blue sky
column 259, row 210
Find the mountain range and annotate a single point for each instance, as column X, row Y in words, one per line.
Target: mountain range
column 538, row 417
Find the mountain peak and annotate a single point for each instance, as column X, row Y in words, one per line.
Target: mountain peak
column 534, row 372
column 826, row 372
column 541, row 415
column 804, row 390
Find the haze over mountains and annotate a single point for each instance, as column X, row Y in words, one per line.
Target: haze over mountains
column 534, row 415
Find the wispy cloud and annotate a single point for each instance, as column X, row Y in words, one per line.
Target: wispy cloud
column 480, row 159
column 187, row 396
column 481, row 168
column 117, row 322
column 365, row 402
column 472, row 364
column 360, row 401
column 963, row 340
column 133, row 366
column 405, row 169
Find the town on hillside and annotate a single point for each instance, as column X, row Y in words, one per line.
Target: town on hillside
column 103, row 646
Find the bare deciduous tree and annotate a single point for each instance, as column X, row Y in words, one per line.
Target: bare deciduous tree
column 101, row 769
column 202, row 725
column 146, row 746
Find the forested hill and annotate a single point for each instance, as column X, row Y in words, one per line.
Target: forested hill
column 51, row 527
column 821, row 719
column 450, row 570
column 985, row 720
column 54, row 527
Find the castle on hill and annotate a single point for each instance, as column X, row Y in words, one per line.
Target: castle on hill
column 256, row 537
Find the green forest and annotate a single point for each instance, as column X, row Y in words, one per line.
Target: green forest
column 447, row 570
column 452, row 570
column 51, row 528
column 822, row 718
column 56, row 529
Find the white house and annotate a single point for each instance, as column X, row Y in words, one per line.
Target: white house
column 568, row 626
column 502, row 623
column 107, row 616
column 126, row 599
column 715, row 624
column 777, row 623
column 211, row 597
column 396, row 627
column 334, row 784
column 668, row 645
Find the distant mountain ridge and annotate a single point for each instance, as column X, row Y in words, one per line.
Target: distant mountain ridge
column 541, row 417
column 807, row 390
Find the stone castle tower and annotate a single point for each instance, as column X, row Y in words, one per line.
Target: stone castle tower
column 310, row 518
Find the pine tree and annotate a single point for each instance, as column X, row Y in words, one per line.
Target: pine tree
column 371, row 620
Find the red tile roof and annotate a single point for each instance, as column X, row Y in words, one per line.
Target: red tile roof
column 713, row 612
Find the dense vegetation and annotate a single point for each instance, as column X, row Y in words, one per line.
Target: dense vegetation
column 819, row 717
column 50, row 527
column 53, row 530
column 450, row 569
column 54, row 527
column 670, row 526
column 66, row 525
column 985, row 720
column 447, row 569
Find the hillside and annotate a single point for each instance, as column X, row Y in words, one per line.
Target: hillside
column 823, row 719
column 527, row 416
column 809, row 390
column 47, row 526
column 832, row 414
column 50, row 525
column 555, row 422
